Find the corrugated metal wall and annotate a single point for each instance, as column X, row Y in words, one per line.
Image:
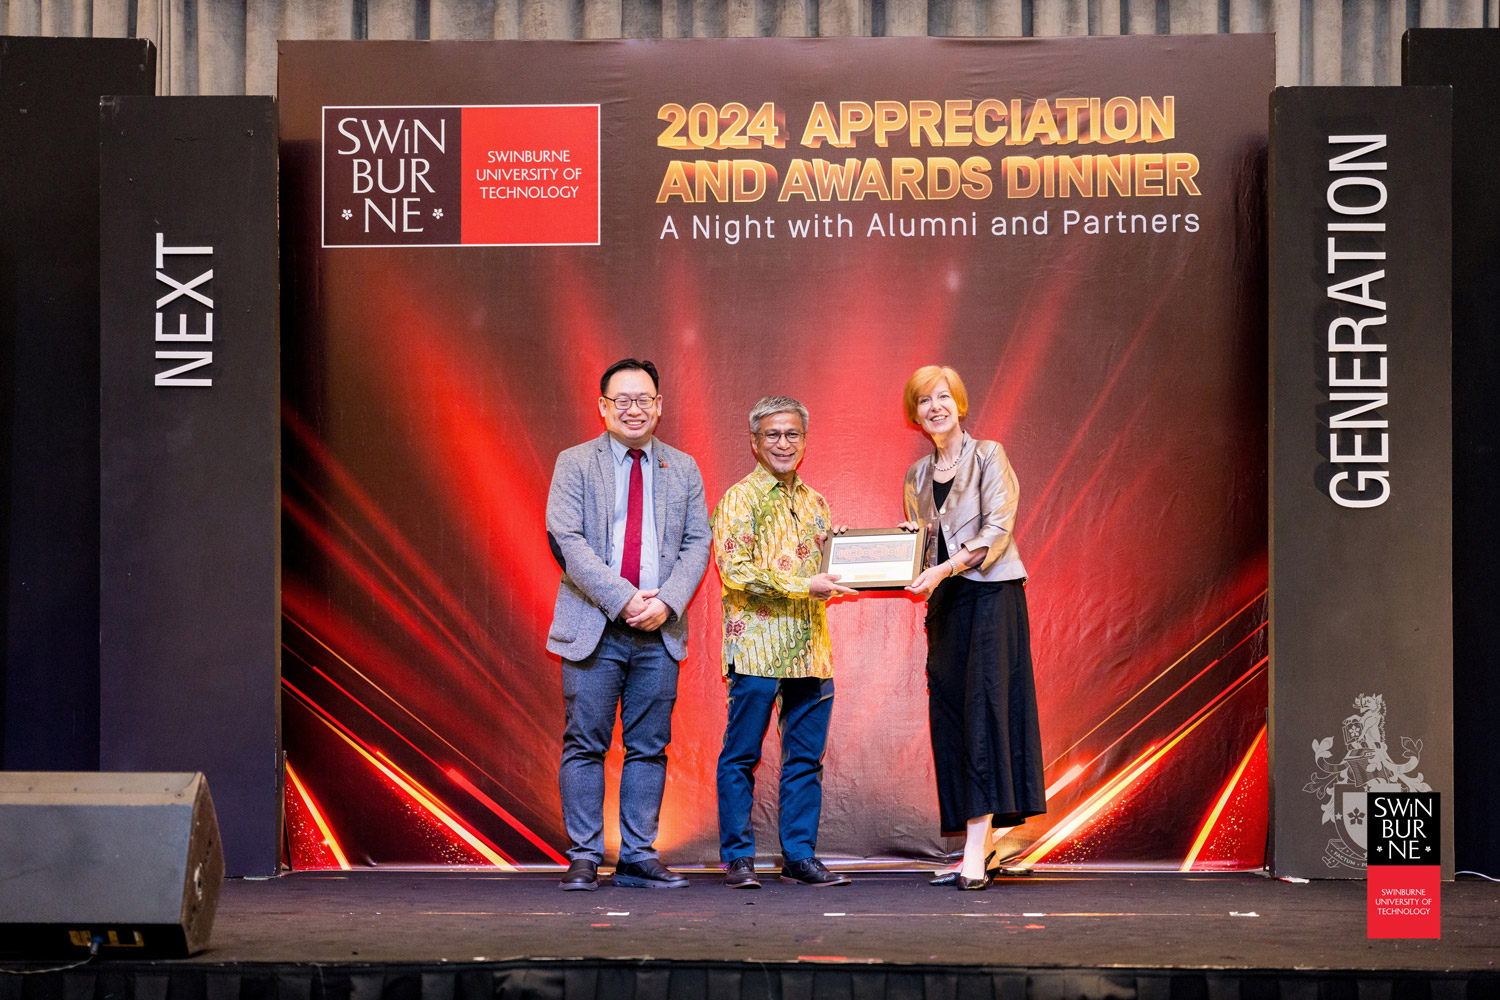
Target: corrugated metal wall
column 229, row 46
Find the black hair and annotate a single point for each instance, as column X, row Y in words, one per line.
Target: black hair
column 628, row 365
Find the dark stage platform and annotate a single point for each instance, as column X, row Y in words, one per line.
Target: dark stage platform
column 441, row 935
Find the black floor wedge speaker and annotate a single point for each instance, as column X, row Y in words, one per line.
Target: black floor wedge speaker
column 130, row 860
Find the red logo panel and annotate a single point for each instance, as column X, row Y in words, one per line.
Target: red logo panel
column 530, row 175
column 1404, row 901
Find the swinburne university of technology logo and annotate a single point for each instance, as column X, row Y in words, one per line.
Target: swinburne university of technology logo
column 492, row 175
column 1345, row 785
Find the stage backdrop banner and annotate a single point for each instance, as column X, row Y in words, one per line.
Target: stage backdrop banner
column 190, row 456
column 474, row 231
column 1361, row 462
column 1469, row 61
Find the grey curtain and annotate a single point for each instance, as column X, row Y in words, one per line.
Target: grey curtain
column 229, row 46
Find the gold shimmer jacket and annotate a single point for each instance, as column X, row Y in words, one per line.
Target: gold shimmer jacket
column 980, row 510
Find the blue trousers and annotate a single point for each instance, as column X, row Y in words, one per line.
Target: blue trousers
column 806, row 706
column 632, row 671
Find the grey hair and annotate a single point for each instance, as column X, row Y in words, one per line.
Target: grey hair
column 776, row 404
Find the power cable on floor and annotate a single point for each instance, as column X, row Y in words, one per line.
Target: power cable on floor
column 93, row 954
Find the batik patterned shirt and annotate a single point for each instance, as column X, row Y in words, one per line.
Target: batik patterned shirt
column 766, row 547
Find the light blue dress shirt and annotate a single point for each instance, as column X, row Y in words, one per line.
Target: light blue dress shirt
column 650, row 558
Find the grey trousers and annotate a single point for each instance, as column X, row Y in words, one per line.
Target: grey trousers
column 632, row 671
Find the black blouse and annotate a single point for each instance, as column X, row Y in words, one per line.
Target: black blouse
column 940, row 493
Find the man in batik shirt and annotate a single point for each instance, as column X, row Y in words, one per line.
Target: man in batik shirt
column 768, row 535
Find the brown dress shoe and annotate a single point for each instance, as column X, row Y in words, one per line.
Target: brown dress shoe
column 741, row 874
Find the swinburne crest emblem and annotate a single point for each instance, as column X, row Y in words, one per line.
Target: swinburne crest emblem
column 1344, row 785
column 1353, row 815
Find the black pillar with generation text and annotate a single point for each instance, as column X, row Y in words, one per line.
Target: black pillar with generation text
column 189, row 570
column 1361, row 466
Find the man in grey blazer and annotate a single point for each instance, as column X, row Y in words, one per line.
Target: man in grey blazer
column 628, row 525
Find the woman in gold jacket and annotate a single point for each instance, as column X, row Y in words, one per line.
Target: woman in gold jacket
column 986, row 742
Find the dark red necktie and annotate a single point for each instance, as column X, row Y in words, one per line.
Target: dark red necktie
column 630, row 558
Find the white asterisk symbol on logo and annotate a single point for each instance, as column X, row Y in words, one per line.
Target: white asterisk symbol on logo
column 437, row 213
column 348, row 214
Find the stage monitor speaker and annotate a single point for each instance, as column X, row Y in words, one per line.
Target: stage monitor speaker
column 132, row 860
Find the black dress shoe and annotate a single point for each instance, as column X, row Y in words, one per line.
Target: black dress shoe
column 810, row 871
column 990, row 868
column 649, row 873
column 973, row 884
column 741, row 874
column 581, row 876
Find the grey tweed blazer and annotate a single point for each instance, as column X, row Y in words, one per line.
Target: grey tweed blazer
column 580, row 521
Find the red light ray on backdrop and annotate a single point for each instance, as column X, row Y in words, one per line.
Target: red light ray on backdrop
column 515, row 832
column 394, row 590
column 1211, row 823
column 1241, row 825
column 415, row 796
column 438, row 644
column 462, row 424
column 1086, row 493
column 1033, row 335
column 578, row 335
column 364, row 542
column 1101, row 397
column 452, row 773
column 1123, row 725
column 1098, row 844
column 1151, row 718
column 1184, row 687
column 381, row 665
column 693, row 373
column 392, row 726
column 1113, row 810
column 430, row 390
column 365, row 801
column 312, row 841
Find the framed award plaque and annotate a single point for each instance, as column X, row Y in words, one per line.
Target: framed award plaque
column 875, row 558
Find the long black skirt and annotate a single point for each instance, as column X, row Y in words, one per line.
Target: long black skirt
column 981, row 699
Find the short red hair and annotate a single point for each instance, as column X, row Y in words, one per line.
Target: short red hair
column 921, row 383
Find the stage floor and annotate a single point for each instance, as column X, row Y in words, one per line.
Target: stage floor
column 1045, row 921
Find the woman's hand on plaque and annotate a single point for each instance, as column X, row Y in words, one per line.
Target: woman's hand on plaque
column 927, row 580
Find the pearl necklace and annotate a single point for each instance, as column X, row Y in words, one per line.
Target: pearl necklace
column 945, row 468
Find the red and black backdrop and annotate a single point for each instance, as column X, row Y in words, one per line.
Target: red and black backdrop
column 476, row 230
